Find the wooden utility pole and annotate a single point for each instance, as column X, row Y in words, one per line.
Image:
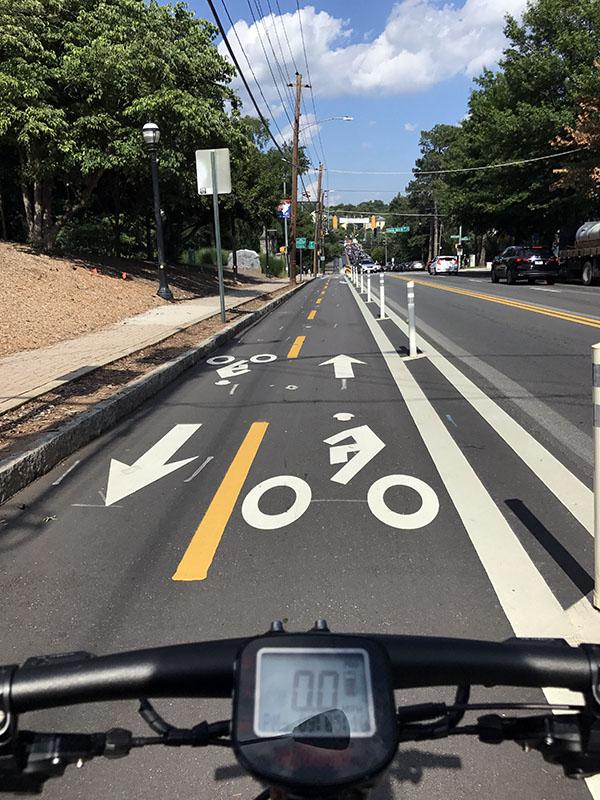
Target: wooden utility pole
column 318, row 211
column 299, row 86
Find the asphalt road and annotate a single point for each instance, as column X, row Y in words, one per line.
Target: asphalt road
column 464, row 513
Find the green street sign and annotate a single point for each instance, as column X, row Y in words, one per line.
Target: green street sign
column 453, row 236
column 311, row 245
column 392, row 230
column 465, row 239
column 301, row 243
column 404, row 229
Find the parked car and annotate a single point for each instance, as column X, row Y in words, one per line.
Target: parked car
column 444, row 264
column 525, row 263
column 417, row 265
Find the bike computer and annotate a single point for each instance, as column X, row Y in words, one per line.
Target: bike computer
column 314, row 711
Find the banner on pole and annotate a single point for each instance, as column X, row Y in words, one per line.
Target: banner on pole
column 284, row 209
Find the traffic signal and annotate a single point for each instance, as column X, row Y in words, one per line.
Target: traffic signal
column 335, row 221
column 373, row 222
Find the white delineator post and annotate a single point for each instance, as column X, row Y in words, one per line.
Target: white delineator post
column 362, row 283
column 381, row 297
column 596, row 400
column 412, row 334
column 369, row 288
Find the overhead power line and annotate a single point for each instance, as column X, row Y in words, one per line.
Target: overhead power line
column 312, row 97
column 462, row 169
column 241, row 74
column 260, row 39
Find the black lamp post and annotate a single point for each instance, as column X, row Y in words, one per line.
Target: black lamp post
column 151, row 136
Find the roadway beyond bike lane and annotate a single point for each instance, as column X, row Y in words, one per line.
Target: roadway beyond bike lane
column 333, row 433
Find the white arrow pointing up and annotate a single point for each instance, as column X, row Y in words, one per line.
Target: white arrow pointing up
column 124, row 480
column 342, row 365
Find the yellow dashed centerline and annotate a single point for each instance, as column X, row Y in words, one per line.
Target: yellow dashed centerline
column 312, row 315
column 564, row 315
column 201, row 550
column 296, row 347
column 319, row 300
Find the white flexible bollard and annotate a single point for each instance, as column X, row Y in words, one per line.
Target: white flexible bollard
column 381, row 297
column 369, row 288
column 412, row 334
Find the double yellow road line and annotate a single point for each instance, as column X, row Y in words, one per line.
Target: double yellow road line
column 547, row 312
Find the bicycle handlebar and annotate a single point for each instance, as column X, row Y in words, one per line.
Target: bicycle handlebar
column 206, row 669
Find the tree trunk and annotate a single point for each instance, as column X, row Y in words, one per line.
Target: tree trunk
column 3, row 220
column 52, row 231
column 430, row 246
column 116, row 225
column 38, row 215
column 26, row 194
column 483, row 251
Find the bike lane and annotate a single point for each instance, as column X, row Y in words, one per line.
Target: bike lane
column 401, row 563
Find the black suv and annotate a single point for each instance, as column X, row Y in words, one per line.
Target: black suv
column 531, row 263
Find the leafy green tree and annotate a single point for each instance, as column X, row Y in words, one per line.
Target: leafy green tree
column 516, row 113
column 428, row 191
column 78, row 78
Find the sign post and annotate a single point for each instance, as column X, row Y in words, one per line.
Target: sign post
column 283, row 210
column 459, row 247
column 213, row 175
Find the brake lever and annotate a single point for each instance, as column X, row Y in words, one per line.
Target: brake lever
column 570, row 740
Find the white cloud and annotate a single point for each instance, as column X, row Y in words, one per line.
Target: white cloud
column 410, row 126
column 421, row 45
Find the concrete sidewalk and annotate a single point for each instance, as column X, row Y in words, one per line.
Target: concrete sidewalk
column 26, row 375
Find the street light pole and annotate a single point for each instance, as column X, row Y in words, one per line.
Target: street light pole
column 151, row 136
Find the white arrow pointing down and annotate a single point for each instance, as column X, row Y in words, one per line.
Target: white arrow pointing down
column 342, row 365
column 124, row 480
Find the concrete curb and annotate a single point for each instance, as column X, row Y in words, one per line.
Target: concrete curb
column 18, row 471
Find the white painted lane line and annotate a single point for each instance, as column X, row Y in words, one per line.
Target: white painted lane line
column 543, row 289
column 528, row 603
column 200, row 468
column 569, row 490
column 564, row 431
column 64, row 475
column 233, row 388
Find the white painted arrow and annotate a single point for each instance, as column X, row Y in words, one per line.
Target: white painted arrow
column 342, row 365
column 124, row 480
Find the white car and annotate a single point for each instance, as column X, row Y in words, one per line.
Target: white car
column 368, row 266
column 444, row 264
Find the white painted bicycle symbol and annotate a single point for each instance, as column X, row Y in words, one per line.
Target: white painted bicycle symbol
column 364, row 445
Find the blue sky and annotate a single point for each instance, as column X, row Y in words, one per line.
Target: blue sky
column 397, row 67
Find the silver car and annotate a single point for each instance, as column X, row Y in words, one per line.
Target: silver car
column 447, row 265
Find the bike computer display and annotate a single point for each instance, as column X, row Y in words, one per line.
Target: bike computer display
column 314, row 710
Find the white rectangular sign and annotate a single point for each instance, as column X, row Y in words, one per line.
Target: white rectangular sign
column 204, row 173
